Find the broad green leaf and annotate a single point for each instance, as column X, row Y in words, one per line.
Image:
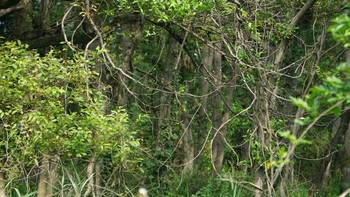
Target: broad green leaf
column 300, row 103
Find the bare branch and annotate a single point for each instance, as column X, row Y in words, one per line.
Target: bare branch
column 5, row 11
column 282, row 46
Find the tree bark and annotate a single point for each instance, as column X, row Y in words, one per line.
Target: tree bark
column 45, row 15
column 220, row 138
column 8, row 10
column 131, row 35
column 217, row 146
column 8, row 3
column 98, row 179
column 47, row 177
column 91, row 176
column 345, row 167
column 339, row 127
column 52, row 175
column 202, row 118
column 2, row 184
column 187, row 141
column 262, row 128
column 23, row 22
column 167, row 82
column 207, row 55
column 259, row 182
column 43, row 179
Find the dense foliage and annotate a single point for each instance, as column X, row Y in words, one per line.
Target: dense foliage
column 184, row 98
column 49, row 108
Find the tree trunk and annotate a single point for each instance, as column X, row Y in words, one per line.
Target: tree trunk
column 345, row 167
column 187, row 142
column 167, row 82
column 207, row 60
column 131, row 35
column 43, row 179
column 2, row 184
column 98, row 179
column 339, row 128
column 23, row 22
column 259, row 182
column 52, row 175
column 90, row 176
column 45, row 15
column 218, row 141
column 262, row 128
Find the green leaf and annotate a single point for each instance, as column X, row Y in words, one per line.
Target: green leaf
column 282, row 152
column 134, row 144
column 300, row 103
column 335, row 81
column 303, row 141
column 287, row 135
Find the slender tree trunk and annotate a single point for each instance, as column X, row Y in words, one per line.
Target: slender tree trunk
column 91, row 176
column 52, row 175
column 207, row 60
column 187, row 142
column 98, row 179
column 217, row 146
column 131, row 36
column 189, row 153
column 259, row 182
column 167, row 82
column 2, row 184
column 219, row 139
column 345, row 167
column 126, row 65
column 262, row 128
column 43, row 179
column 339, row 128
column 45, row 15
column 47, row 177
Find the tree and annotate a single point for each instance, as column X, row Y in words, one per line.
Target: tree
column 197, row 94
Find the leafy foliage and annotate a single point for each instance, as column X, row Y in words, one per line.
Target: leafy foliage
column 165, row 11
column 162, row 93
column 341, row 29
column 47, row 107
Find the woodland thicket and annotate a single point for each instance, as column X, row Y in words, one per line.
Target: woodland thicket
column 181, row 97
